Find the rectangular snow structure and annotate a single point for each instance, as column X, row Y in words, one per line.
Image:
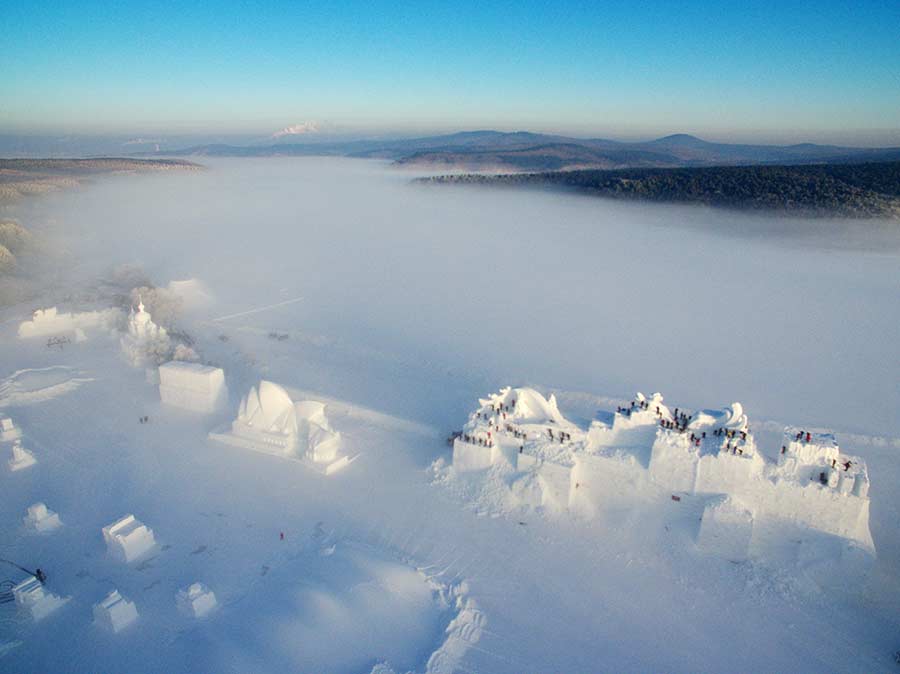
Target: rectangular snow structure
column 115, row 613
column 192, row 386
column 726, row 529
column 127, row 539
column 31, row 596
column 467, row 457
column 196, row 600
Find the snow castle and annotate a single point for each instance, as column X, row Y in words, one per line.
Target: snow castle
column 269, row 421
column 647, row 450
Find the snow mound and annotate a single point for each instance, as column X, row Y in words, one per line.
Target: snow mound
column 193, row 292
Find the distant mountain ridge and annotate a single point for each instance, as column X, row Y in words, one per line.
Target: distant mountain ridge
column 519, row 151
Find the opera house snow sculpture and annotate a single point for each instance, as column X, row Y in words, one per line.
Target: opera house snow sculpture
column 269, row 421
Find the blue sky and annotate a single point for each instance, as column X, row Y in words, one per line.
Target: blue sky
column 631, row 69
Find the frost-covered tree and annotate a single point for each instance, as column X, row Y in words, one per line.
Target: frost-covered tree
column 163, row 305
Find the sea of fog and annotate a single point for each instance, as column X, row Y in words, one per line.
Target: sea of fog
column 455, row 291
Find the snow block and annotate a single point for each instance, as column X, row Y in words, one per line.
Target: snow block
column 128, row 538
column 21, row 458
column 674, row 461
column 50, row 322
column 31, row 596
column 192, row 386
column 9, row 431
column 469, row 457
column 726, row 529
column 41, row 519
column 115, row 613
column 195, row 601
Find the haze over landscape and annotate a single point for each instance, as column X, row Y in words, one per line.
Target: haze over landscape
column 321, row 330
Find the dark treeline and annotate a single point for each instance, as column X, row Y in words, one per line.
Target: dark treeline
column 849, row 190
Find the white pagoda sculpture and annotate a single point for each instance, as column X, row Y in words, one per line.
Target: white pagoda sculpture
column 128, row 538
column 21, row 458
column 31, row 596
column 41, row 519
column 115, row 613
column 269, row 421
column 196, row 600
column 145, row 342
column 192, row 386
column 9, row 431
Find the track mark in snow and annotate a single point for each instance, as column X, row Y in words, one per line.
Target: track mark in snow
column 29, row 386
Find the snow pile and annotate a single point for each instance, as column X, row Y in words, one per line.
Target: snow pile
column 145, row 342
column 192, row 386
column 41, row 519
column 128, row 539
column 31, row 596
column 115, row 613
column 21, row 458
column 196, row 600
column 9, row 431
column 645, row 451
column 50, row 322
column 463, row 632
column 193, row 293
column 268, row 421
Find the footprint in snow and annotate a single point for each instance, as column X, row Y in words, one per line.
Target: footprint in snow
column 200, row 548
column 265, row 570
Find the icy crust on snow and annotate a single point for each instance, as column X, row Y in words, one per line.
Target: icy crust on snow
column 646, row 452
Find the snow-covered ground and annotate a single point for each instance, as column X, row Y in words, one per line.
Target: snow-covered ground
column 416, row 302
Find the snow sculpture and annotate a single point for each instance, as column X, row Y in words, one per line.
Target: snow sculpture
column 21, row 458
column 49, row 322
column 9, row 431
column 145, row 342
column 30, row 595
column 268, row 421
column 813, row 492
column 128, row 538
column 192, row 386
column 41, row 519
column 115, row 613
column 196, row 600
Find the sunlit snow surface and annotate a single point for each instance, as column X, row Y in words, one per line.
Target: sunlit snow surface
column 416, row 302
